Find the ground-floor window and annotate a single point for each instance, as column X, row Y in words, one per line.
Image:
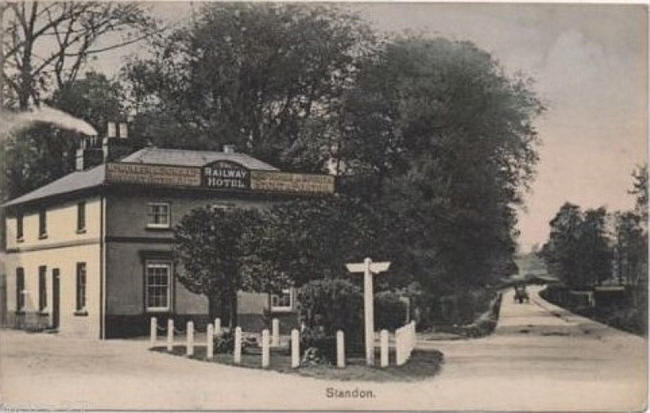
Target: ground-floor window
column 81, row 286
column 20, row 289
column 283, row 301
column 42, row 288
column 158, row 280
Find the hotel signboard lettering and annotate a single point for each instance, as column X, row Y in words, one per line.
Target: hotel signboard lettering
column 219, row 175
column 168, row 175
column 226, row 175
column 291, row 182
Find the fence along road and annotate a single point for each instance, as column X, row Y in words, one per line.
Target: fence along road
column 560, row 364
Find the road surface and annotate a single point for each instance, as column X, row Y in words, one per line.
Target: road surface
column 539, row 358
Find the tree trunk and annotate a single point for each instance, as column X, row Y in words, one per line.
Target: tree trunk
column 213, row 307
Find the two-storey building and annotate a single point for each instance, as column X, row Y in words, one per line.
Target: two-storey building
column 90, row 254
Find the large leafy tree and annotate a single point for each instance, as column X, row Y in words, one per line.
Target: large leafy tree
column 211, row 245
column 436, row 130
column 265, row 77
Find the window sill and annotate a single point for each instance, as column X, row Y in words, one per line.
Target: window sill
column 81, row 231
column 19, row 240
column 42, row 236
column 81, row 313
column 44, row 311
column 157, row 310
column 20, row 312
column 158, row 228
column 281, row 309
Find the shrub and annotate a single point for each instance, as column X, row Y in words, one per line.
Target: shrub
column 330, row 305
column 224, row 343
column 390, row 311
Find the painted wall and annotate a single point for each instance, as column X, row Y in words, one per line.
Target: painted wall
column 63, row 248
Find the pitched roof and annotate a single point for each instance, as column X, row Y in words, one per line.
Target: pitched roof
column 95, row 176
column 184, row 157
column 72, row 182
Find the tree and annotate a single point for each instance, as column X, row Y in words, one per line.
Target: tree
column 264, row 77
column 42, row 153
column 437, row 131
column 640, row 189
column 304, row 240
column 631, row 247
column 561, row 251
column 69, row 33
column 210, row 246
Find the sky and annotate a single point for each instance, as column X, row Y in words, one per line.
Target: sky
column 590, row 67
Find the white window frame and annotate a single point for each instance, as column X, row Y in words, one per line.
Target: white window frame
column 157, row 264
column 169, row 215
column 283, row 308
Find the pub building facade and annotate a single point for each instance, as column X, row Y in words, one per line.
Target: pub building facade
column 90, row 254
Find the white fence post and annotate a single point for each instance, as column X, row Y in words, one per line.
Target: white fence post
column 209, row 343
column 217, row 326
column 383, row 339
column 399, row 346
column 265, row 348
column 154, row 332
column 237, row 350
column 295, row 348
column 190, row 339
column 340, row 349
column 170, row 334
column 275, row 341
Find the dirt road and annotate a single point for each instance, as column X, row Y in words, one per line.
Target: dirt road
column 540, row 358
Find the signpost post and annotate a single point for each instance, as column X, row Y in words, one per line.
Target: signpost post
column 368, row 268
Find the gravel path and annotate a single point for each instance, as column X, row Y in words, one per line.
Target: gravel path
column 540, row 358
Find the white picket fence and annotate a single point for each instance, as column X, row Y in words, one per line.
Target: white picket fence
column 405, row 339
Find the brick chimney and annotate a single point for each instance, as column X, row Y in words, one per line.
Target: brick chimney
column 115, row 145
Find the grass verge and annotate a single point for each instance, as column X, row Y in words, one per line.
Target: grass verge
column 421, row 365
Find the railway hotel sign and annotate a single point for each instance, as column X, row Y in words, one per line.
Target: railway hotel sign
column 226, row 175
column 219, row 175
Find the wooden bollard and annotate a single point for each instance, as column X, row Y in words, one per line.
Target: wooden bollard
column 265, row 348
column 209, row 343
column 190, row 339
column 170, row 334
column 383, row 339
column 217, row 326
column 275, row 330
column 340, row 349
column 295, row 348
column 237, row 349
column 153, row 337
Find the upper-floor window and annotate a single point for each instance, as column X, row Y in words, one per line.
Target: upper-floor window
column 283, row 301
column 42, row 223
column 19, row 226
column 81, row 216
column 20, row 289
column 158, row 215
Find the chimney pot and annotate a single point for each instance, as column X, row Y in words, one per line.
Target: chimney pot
column 229, row 148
